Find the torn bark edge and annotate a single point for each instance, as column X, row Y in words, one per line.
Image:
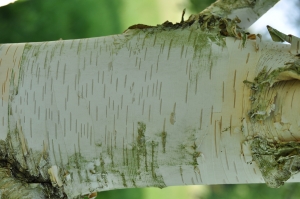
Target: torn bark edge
column 206, row 22
column 166, row 24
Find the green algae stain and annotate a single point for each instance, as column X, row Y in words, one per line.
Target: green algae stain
column 141, row 135
column 164, row 140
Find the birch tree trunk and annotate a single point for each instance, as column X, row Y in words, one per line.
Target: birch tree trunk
column 197, row 102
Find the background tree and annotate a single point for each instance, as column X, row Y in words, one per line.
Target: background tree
column 34, row 20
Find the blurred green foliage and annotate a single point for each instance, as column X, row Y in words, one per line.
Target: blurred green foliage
column 121, row 194
column 250, row 191
column 198, row 5
column 44, row 20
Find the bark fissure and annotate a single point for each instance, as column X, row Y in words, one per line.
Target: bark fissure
column 26, row 172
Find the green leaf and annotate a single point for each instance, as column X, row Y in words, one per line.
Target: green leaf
column 276, row 35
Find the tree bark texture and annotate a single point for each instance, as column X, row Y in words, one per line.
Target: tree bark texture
column 176, row 104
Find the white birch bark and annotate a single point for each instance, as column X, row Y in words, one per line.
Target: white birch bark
column 153, row 106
